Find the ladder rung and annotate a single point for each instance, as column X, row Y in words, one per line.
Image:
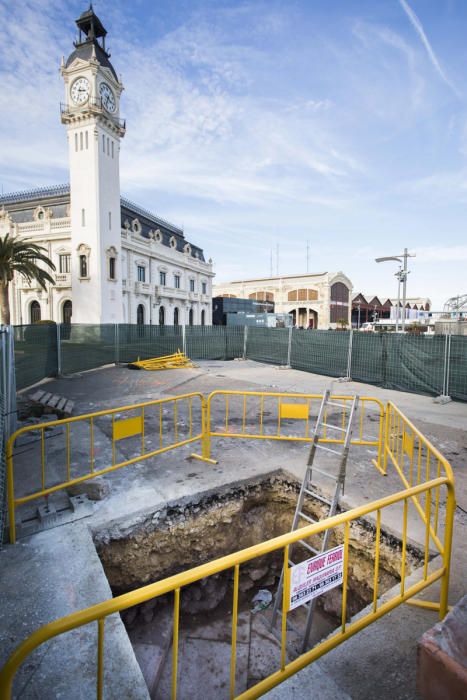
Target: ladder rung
column 340, row 405
column 334, row 427
column 306, row 517
column 321, row 471
column 328, row 449
column 313, row 494
column 309, row 547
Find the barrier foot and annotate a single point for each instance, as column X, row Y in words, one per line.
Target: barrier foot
column 344, row 379
column 427, row 604
column 204, row 459
column 380, row 469
column 442, row 399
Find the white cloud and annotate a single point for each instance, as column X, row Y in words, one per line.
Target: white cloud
column 417, row 25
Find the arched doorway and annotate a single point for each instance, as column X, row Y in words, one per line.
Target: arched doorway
column 190, row 317
column 176, row 316
column 203, row 317
column 161, row 316
column 140, row 315
column 35, row 311
column 67, row 310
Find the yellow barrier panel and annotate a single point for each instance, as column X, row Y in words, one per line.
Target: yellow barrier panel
column 294, row 410
column 127, row 428
column 98, row 613
column 168, row 434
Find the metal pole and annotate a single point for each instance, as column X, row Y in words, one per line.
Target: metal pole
column 289, row 347
column 184, row 339
column 448, row 363
column 398, row 298
column 404, row 288
column 358, row 321
column 245, row 338
column 349, row 356
column 117, row 344
column 59, row 352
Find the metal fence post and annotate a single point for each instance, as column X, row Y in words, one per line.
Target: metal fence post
column 117, row 344
column 444, row 396
column 245, row 339
column 184, row 339
column 348, row 377
column 289, row 348
column 59, row 352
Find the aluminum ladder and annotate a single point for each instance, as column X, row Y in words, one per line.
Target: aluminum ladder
column 341, row 450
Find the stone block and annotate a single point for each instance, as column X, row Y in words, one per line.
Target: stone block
column 95, row 489
column 442, row 657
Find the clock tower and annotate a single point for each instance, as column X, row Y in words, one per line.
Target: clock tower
column 94, row 129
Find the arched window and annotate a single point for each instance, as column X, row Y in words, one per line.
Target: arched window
column 190, row 317
column 35, row 311
column 161, row 316
column 140, row 315
column 175, row 316
column 203, row 316
column 67, row 310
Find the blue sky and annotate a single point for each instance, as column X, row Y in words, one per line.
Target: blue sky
column 257, row 124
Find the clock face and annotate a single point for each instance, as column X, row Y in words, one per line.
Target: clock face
column 80, row 91
column 108, row 98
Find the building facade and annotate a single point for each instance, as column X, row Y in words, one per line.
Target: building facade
column 116, row 262
column 370, row 307
column 319, row 301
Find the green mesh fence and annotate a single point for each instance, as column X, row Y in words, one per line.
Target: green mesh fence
column 268, row 345
column 214, row 342
column 35, row 353
column 395, row 361
column 457, row 387
column 322, row 352
column 144, row 342
column 86, row 346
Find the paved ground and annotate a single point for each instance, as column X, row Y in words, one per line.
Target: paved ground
column 58, row 571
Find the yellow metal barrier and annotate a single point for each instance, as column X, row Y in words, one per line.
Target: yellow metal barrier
column 99, row 613
column 260, row 415
column 428, row 480
column 148, row 423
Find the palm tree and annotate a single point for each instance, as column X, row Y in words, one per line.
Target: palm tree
column 21, row 256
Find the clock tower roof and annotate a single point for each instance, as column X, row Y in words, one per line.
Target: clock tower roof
column 89, row 46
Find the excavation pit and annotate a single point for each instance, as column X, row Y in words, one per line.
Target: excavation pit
column 184, row 535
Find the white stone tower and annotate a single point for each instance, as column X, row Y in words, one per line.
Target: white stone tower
column 94, row 130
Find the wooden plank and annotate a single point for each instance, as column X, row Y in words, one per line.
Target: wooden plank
column 61, row 403
column 37, row 396
column 68, row 407
column 53, row 401
column 45, row 398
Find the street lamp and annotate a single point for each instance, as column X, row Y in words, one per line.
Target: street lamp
column 402, row 277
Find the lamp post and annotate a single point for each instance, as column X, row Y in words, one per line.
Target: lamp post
column 402, row 277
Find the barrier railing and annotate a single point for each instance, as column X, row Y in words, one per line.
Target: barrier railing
column 260, row 415
column 415, row 461
column 147, row 429
column 341, row 526
column 428, row 480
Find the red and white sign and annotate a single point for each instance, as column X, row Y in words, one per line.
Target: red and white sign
column 315, row 576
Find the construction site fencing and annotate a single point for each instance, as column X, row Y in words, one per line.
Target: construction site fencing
column 426, row 364
column 428, row 482
column 127, row 435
